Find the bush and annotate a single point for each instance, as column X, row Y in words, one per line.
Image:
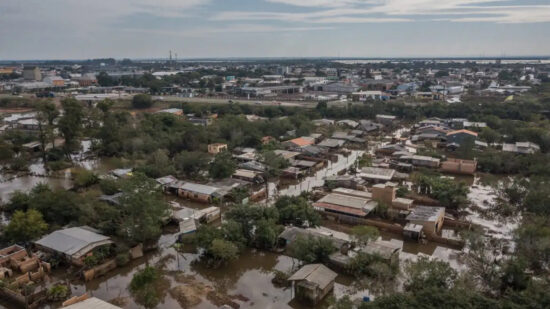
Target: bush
column 91, row 261
column 122, row 259
column 58, row 292
column 84, row 178
column 142, row 101
column 109, row 186
column 58, row 165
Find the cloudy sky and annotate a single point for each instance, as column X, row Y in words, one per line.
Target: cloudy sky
column 75, row 29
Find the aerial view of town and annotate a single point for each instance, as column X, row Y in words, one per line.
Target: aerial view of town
column 219, row 154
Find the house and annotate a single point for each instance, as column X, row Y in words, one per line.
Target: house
column 216, row 148
column 458, row 166
column 18, row 270
column 461, row 137
column 207, row 215
column 347, row 122
column 197, row 192
column 331, row 143
column 248, row 175
column 388, row 251
column 312, row 282
column 353, row 193
column 323, row 122
column 431, row 218
column 424, row 161
column 387, row 193
column 74, row 243
column 287, row 155
column 165, row 182
column 377, row 174
column 298, row 142
column 413, row 231
column 345, row 205
column 369, row 126
column 387, row 120
column 521, row 147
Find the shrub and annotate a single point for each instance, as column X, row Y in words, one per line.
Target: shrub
column 58, row 292
column 84, row 178
column 109, row 186
column 142, row 101
column 122, row 259
column 91, row 261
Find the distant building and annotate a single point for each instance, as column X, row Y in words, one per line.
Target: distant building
column 460, row 137
column 457, row 166
column 216, row 148
column 521, row 147
column 386, row 119
column 32, row 73
column 55, row 81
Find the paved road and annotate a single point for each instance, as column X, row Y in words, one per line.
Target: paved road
column 306, row 104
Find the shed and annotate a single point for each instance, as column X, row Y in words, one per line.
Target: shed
column 74, row 243
column 431, row 218
column 313, row 282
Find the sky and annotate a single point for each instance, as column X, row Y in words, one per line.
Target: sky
column 76, row 29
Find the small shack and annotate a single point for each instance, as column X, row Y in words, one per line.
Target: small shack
column 312, row 282
column 431, row 218
column 74, row 243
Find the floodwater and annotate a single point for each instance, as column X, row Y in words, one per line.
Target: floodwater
column 246, row 281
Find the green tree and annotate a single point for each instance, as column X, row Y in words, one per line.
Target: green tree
column 311, row 249
column 296, row 210
column 190, row 163
column 143, row 208
column 146, row 287
column 26, row 226
column 223, row 165
column 363, row 234
column 425, row 274
column 141, row 101
column 158, row 165
column 46, row 115
column 70, row 124
column 223, row 251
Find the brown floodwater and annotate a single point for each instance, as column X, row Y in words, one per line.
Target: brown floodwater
column 247, row 281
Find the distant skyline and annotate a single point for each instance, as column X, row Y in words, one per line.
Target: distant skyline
column 72, row 29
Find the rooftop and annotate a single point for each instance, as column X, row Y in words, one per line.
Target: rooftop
column 317, row 274
column 425, row 213
column 72, row 240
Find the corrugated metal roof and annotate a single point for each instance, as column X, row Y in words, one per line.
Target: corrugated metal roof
column 198, row 188
column 317, row 274
column 70, row 241
column 92, row 303
column 425, row 213
column 344, row 200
